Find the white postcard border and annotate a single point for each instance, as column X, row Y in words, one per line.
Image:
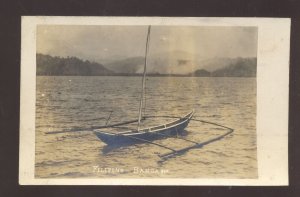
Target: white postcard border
column 272, row 97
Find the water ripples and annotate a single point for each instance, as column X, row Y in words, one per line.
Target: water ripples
column 84, row 102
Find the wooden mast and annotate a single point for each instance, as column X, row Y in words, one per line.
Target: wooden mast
column 144, row 79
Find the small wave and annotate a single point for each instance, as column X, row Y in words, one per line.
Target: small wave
column 205, row 163
column 49, row 163
column 205, row 106
column 249, row 157
column 55, row 163
column 250, row 149
column 58, row 100
column 214, row 116
column 225, row 103
column 239, row 163
column 72, row 174
column 91, row 100
column 218, row 153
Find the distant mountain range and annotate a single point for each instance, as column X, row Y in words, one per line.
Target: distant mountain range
column 182, row 63
column 175, row 63
column 239, row 67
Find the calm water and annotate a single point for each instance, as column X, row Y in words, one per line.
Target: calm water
column 68, row 102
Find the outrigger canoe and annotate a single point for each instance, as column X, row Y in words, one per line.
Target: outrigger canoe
column 145, row 134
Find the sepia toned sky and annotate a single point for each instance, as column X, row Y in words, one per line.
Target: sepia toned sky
column 98, row 43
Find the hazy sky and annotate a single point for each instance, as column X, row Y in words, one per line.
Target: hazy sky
column 109, row 42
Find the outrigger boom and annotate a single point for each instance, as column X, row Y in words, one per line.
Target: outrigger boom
column 198, row 145
column 93, row 128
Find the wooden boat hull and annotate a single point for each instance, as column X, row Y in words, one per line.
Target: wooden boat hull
column 149, row 134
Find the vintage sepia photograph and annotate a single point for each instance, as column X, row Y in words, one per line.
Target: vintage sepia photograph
column 146, row 101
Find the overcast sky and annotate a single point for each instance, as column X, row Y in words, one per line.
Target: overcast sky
column 110, row 42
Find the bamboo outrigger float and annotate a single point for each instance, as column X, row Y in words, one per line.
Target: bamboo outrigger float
column 149, row 134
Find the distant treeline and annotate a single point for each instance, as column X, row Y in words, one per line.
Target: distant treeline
column 72, row 66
